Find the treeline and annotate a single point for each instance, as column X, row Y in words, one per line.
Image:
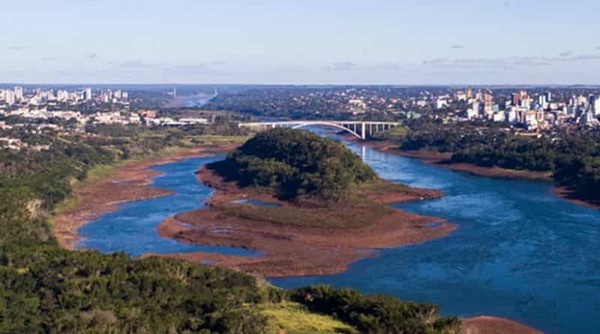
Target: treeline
column 375, row 313
column 295, row 163
column 573, row 158
column 46, row 289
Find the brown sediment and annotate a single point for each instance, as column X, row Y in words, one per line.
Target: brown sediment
column 442, row 159
column 494, row 325
column 125, row 183
column 565, row 193
column 293, row 250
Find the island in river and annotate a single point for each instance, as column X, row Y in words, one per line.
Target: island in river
column 483, row 324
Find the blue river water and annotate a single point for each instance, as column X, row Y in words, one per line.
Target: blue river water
column 519, row 252
column 132, row 228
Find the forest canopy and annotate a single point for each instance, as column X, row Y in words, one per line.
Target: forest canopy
column 295, row 164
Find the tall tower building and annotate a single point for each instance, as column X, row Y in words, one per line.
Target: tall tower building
column 516, row 99
column 591, row 102
column 87, row 94
column 9, row 97
column 19, row 93
column 488, row 101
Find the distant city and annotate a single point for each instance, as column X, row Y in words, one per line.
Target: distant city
column 45, row 109
column 521, row 110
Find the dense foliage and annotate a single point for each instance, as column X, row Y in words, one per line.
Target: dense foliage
column 296, row 163
column 375, row 313
column 45, row 289
column 574, row 158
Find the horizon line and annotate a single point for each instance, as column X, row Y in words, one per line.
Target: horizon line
column 304, row 84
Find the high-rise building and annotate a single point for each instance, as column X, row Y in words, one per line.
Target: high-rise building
column 591, row 102
column 19, row 94
column 488, row 101
column 518, row 97
column 87, row 94
column 542, row 101
column 9, row 97
column 548, row 97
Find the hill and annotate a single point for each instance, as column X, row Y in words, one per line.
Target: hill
column 296, row 164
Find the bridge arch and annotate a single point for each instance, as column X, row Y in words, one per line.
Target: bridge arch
column 329, row 124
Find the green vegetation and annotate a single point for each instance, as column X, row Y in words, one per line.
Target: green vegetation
column 294, row 164
column 46, row 289
column 574, row 158
column 375, row 313
column 295, row 318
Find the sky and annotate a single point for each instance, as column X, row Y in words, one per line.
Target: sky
column 300, row 41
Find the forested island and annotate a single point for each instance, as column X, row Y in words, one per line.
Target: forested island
column 308, row 204
column 296, row 165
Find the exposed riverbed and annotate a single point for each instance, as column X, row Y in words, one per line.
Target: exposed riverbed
column 520, row 252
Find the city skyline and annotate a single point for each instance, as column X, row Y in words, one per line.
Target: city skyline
column 271, row 42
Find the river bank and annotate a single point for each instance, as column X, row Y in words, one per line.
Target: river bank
column 483, row 327
column 108, row 186
column 292, row 240
column 441, row 159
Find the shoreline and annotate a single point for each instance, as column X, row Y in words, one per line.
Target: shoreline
column 567, row 195
column 125, row 182
column 438, row 159
column 292, row 250
column 495, row 172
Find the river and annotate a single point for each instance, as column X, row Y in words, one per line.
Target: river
column 519, row 252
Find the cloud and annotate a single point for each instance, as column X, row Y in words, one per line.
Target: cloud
column 508, row 62
column 567, row 53
column 457, row 46
column 15, row 48
column 92, row 56
column 585, row 57
column 342, row 66
column 51, row 58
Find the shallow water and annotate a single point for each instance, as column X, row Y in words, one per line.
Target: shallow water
column 520, row 252
column 132, row 228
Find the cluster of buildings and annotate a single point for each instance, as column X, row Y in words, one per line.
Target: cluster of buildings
column 38, row 110
column 39, row 97
column 520, row 108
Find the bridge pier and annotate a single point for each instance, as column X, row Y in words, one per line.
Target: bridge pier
column 363, row 134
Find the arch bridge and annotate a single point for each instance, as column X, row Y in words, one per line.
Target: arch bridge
column 359, row 129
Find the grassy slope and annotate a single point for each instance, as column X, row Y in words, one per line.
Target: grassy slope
column 294, row 318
